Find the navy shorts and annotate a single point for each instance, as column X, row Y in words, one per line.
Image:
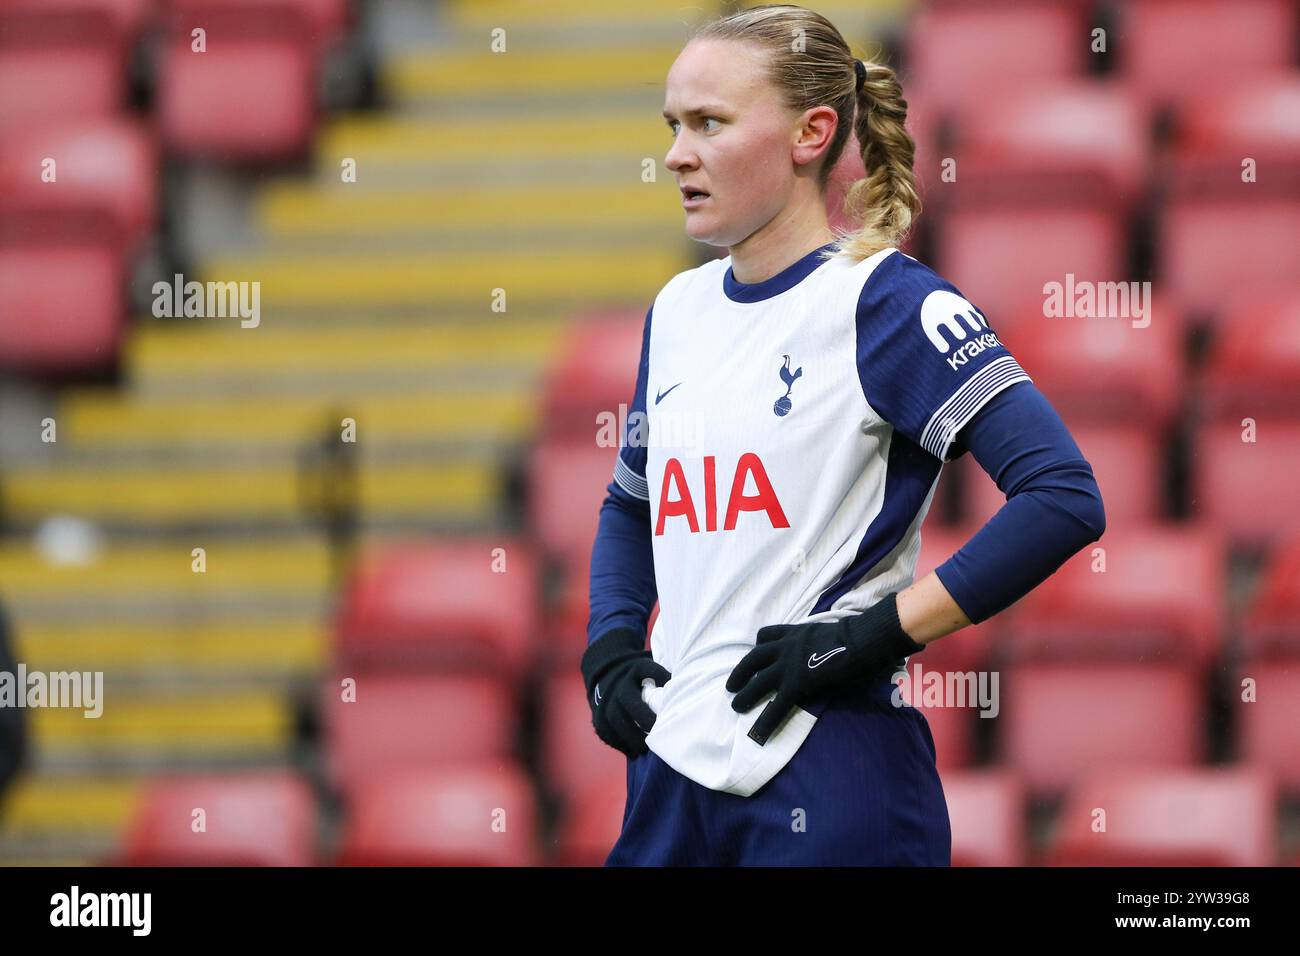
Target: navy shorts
column 862, row 790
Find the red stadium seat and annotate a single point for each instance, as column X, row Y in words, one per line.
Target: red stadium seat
column 1254, row 369
column 456, row 604
column 568, row 482
column 1059, row 132
column 250, row 97
column 1271, row 626
column 1159, row 41
column 575, row 759
column 568, row 479
column 64, row 301
column 110, row 163
column 401, row 723
column 1160, row 598
column 324, row 21
column 60, row 64
column 1157, row 817
column 594, row 374
column 952, row 722
column 1207, row 271
column 1254, row 116
column 567, row 625
column 1061, row 721
column 566, row 619
column 1125, row 460
column 249, row 819
column 1002, row 255
column 1104, row 370
column 129, row 17
column 960, row 55
column 1246, row 489
column 474, row 815
column 1269, row 737
column 986, row 810
column 591, row 827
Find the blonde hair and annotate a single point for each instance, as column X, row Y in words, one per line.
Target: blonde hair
column 811, row 65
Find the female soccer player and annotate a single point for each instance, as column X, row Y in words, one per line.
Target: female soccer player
column 794, row 405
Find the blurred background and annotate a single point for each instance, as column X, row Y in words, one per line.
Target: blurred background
column 332, row 562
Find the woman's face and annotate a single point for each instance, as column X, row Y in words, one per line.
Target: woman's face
column 732, row 139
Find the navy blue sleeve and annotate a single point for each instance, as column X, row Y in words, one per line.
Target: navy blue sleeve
column 927, row 358
column 1053, row 506
column 629, row 466
column 623, row 590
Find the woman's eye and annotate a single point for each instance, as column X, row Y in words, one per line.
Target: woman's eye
column 673, row 124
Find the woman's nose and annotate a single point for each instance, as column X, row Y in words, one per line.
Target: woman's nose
column 679, row 154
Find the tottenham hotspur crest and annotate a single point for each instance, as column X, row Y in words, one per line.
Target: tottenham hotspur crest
column 783, row 404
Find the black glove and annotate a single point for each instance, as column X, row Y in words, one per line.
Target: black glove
column 804, row 662
column 612, row 668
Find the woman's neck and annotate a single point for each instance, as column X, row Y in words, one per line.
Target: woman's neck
column 777, row 246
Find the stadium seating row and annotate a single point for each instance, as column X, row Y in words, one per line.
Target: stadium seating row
column 483, row 815
column 245, row 89
column 81, row 177
column 1006, row 248
column 1050, row 721
column 1028, row 44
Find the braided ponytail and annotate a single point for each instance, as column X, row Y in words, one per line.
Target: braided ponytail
column 886, row 201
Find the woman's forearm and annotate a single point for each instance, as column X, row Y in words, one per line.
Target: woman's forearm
column 1053, row 509
column 927, row 611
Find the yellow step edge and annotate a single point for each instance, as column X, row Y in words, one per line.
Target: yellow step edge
column 61, row 862
column 257, row 646
column 184, row 348
column 150, row 494
column 107, row 418
column 831, row 9
column 40, row 804
column 554, row 70
column 619, row 275
column 506, row 13
column 272, row 567
column 369, row 141
column 297, row 210
column 245, row 723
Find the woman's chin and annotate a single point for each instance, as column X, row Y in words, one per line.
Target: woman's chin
column 702, row 231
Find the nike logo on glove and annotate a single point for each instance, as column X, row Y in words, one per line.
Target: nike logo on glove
column 817, row 659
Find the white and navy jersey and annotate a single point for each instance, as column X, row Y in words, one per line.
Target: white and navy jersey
column 793, row 435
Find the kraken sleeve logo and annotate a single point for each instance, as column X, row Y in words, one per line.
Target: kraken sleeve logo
column 948, row 312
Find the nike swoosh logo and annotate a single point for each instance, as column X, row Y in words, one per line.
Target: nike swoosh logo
column 596, row 696
column 817, row 659
column 660, row 397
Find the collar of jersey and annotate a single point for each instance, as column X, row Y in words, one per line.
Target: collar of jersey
column 784, row 280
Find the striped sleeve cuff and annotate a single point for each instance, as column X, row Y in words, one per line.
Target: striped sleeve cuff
column 961, row 406
column 634, row 484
